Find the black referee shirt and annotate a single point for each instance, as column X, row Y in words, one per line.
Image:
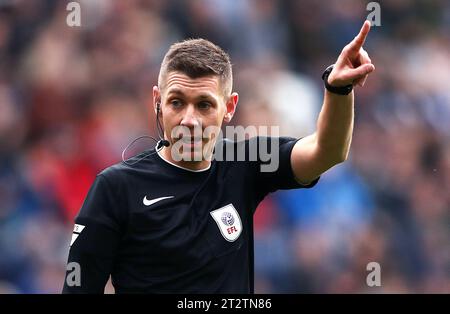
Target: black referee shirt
column 158, row 228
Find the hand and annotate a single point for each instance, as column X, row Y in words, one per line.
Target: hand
column 353, row 64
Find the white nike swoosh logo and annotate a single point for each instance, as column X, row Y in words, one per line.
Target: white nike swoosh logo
column 155, row 200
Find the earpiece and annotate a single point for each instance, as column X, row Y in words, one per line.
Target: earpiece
column 162, row 142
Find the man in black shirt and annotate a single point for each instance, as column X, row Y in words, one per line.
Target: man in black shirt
column 178, row 219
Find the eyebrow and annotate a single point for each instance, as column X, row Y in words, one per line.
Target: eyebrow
column 178, row 91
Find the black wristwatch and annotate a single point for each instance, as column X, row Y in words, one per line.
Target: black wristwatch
column 341, row 90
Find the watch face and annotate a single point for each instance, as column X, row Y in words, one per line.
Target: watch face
column 340, row 90
column 327, row 71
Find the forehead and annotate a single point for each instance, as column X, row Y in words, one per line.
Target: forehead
column 180, row 82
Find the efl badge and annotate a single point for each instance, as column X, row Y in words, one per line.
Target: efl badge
column 228, row 221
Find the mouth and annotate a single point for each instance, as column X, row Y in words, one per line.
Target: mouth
column 190, row 144
column 189, row 140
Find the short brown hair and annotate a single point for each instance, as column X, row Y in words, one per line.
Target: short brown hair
column 197, row 58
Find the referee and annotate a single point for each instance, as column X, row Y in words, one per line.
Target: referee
column 174, row 220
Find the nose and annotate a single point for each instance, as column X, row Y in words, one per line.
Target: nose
column 190, row 119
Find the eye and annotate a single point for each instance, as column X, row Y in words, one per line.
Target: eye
column 176, row 103
column 204, row 105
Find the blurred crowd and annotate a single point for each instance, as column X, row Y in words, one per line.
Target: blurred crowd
column 71, row 99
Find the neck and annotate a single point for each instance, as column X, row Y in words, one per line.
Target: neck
column 165, row 153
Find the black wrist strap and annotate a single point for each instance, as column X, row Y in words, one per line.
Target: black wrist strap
column 340, row 90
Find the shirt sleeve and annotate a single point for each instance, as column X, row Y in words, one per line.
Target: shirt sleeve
column 95, row 240
column 273, row 169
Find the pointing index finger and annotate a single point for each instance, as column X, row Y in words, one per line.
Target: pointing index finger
column 359, row 40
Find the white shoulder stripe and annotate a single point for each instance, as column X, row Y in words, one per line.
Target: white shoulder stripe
column 74, row 237
column 76, row 232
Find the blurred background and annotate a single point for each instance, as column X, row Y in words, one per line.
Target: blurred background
column 71, row 98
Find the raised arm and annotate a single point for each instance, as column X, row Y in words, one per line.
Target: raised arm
column 330, row 144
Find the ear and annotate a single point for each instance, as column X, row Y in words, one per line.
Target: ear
column 156, row 98
column 231, row 107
